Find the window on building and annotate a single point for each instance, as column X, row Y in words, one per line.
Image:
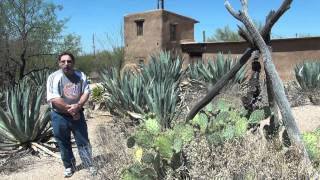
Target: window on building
column 139, row 24
column 173, row 32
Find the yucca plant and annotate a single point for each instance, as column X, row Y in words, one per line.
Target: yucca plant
column 308, row 75
column 24, row 123
column 2, row 98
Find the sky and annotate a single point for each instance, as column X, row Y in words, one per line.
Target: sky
column 104, row 18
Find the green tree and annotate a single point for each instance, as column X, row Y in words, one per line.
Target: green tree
column 70, row 43
column 227, row 34
column 224, row 34
column 30, row 34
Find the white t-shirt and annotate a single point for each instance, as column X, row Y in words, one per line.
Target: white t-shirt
column 70, row 89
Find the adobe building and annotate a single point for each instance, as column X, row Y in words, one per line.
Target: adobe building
column 147, row 33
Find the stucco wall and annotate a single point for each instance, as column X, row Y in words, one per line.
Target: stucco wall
column 287, row 53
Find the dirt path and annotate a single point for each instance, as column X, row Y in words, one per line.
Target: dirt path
column 307, row 117
column 35, row 168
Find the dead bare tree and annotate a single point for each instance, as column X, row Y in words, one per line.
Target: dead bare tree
column 259, row 41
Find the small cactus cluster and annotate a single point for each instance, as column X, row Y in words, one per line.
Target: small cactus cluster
column 224, row 123
column 312, row 142
column 155, row 149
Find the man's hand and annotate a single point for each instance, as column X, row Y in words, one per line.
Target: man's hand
column 73, row 109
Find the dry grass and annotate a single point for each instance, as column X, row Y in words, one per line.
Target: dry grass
column 112, row 143
column 248, row 158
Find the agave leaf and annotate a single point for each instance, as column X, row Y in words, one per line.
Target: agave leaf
column 27, row 120
column 7, row 130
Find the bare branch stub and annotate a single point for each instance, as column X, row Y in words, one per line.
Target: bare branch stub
column 244, row 34
column 274, row 16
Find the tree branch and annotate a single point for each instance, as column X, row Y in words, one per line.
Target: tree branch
column 35, row 70
column 273, row 17
column 43, row 54
column 231, row 10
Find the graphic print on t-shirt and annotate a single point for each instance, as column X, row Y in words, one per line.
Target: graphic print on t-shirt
column 71, row 90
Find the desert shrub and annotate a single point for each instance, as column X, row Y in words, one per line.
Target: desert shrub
column 215, row 69
column 97, row 94
column 308, row 75
column 152, row 90
column 24, row 122
column 105, row 59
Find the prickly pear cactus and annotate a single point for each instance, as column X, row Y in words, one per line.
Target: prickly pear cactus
column 152, row 126
column 164, row 144
column 143, row 138
column 201, row 120
column 257, row 116
column 138, row 153
column 223, row 105
column 139, row 171
column 241, row 127
column 184, row 131
column 312, row 142
column 226, row 126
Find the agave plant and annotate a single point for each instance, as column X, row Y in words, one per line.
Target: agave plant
column 124, row 93
column 214, row 70
column 154, row 89
column 308, row 75
column 193, row 70
column 161, row 67
column 39, row 78
column 24, row 122
column 161, row 78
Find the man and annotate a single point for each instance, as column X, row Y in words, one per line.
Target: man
column 67, row 92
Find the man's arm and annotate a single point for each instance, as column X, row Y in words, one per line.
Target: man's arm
column 75, row 108
column 59, row 104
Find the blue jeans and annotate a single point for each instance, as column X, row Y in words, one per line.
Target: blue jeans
column 62, row 127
